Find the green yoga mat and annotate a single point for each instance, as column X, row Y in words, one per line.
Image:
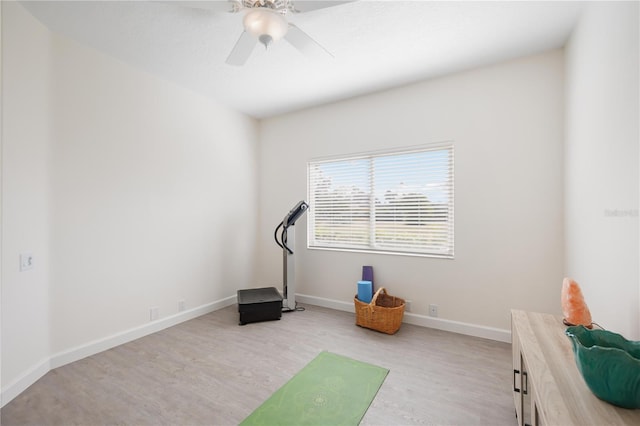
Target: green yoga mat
column 330, row 390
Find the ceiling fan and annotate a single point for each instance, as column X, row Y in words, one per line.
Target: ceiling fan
column 265, row 21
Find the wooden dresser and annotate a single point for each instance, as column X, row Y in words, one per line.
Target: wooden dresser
column 547, row 386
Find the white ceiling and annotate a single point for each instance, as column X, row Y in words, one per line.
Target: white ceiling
column 376, row 45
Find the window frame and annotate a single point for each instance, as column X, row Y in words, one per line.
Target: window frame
column 449, row 253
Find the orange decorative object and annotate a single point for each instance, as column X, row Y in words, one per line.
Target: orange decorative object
column 574, row 309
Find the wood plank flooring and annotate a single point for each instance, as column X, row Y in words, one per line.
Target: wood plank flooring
column 211, row 371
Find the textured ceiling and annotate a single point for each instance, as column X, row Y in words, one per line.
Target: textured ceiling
column 375, row 44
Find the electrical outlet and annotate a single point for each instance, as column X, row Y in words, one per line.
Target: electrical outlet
column 433, row 310
column 407, row 305
column 181, row 305
column 154, row 312
column 26, row 261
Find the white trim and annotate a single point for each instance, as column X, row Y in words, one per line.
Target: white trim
column 483, row 331
column 99, row 345
column 20, row 384
column 361, row 173
column 96, row 346
column 429, row 146
column 79, row 352
column 338, row 305
column 498, row 334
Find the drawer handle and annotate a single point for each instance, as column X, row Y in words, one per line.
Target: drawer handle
column 515, row 388
column 525, row 389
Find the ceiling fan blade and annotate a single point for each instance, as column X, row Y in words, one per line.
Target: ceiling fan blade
column 301, row 41
column 212, row 5
column 242, row 50
column 309, row 5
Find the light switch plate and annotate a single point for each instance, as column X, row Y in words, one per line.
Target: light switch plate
column 26, row 261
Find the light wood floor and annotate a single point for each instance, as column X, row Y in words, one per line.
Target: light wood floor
column 211, row 371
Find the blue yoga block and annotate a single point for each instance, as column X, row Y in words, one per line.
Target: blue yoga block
column 365, row 291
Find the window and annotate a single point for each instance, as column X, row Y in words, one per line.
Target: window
column 393, row 202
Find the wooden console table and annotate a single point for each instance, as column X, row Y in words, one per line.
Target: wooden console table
column 548, row 389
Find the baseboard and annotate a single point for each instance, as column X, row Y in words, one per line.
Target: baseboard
column 20, row 384
column 338, row 305
column 468, row 329
column 96, row 346
column 91, row 348
column 79, row 352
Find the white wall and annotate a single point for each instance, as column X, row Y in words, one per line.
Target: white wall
column 507, row 124
column 26, row 146
column 136, row 192
column 602, row 163
column 154, row 191
column 1, row 117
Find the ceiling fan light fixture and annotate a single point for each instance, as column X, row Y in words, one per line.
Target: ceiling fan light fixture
column 265, row 24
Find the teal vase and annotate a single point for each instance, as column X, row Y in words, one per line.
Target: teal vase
column 609, row 364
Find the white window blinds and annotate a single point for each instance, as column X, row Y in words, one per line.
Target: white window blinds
column 396, row 202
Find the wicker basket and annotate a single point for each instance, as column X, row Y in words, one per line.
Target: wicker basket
column 384, row 313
